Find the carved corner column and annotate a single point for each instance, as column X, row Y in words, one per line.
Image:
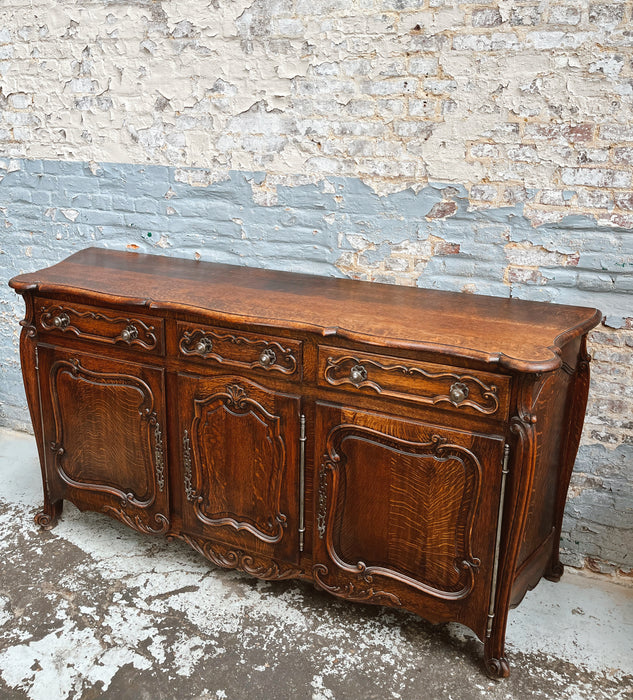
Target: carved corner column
column 521, row 474
column 49, row 515
column 577, row 404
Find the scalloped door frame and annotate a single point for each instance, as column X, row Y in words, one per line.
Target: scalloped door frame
column 239, row 457
column 400, row 507
column 105, row 436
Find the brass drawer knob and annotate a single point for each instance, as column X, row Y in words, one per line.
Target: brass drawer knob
column 357, row 374
column 204, row 346
column 129, row 334
column 458, row 392
column 61, row 321
column 268, row 357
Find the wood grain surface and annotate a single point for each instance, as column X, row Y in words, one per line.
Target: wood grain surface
column 517, row 334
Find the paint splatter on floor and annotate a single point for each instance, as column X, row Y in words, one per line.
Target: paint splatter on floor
column 93, row 609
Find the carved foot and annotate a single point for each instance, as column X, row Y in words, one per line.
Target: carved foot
column 497, row 668
column 554, row 572
column 48, row 517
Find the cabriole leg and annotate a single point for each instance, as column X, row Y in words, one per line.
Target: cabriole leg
column 49, row 515
column 497, row 666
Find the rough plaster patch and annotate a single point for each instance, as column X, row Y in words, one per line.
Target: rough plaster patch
column 64, row 663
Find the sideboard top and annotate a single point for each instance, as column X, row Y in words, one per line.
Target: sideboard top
column 516, row 334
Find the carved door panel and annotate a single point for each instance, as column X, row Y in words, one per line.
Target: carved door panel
column 240, row 452
column 404, row 510
column 104, row 423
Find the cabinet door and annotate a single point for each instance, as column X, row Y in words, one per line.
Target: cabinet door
column 103, row 427
column 406, row 513
column 240, row 464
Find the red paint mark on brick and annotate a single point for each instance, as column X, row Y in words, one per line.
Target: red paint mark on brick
column 624, row 200
column 445, row 248
column 622, row 220
column 579, row 133
column 440, row 210
column 524, row 275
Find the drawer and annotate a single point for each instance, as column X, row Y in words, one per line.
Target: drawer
column 421, row 382
column 101, row 325
column 240, row 349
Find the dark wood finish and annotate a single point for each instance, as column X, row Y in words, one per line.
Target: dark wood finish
column 428, row 442
column 421, row 382
column 103, row 424
column 240, row 350
column 401, row 508
column 514, row 334
column 100, row 325
column 240, row 457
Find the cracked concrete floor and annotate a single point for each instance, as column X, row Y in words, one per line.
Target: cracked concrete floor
column 93, row 609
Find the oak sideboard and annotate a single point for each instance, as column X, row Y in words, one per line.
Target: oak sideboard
column 398, row 446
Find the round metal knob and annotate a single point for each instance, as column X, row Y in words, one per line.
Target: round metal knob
column 358, row 374
column 458, row 392
column 268, row 357
column 61, row 321
column 129, row 334
column 204, row 346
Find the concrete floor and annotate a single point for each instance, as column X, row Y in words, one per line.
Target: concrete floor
column 93, row 609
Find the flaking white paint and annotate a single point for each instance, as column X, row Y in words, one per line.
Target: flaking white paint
column 325, row 88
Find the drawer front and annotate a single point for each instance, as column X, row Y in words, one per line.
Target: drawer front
column 240, row 349
column 107, row 326
column 421, row 382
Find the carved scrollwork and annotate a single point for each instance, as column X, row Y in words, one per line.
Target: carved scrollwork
column 190, row 492
column 322, row 505
column 352, row 590
column 262, row 354
column 459, row 387
column 28, row 322
column 497, row 668
column 138, row 523
column 236, row 400
column 45, row 520
column 259, row 566
column 236, row 397
column 132, row 331
column 30, row 329
column 159, row 458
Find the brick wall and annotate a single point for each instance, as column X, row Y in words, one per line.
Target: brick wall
column 485, row 148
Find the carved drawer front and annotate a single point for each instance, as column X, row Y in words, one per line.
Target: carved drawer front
column 240, row 350
column 101, row 325
column 448, row 387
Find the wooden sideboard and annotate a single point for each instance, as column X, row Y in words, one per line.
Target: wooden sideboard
column 397, row 446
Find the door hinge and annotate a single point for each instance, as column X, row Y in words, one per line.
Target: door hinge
column 495, row 567
column 302, row 475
